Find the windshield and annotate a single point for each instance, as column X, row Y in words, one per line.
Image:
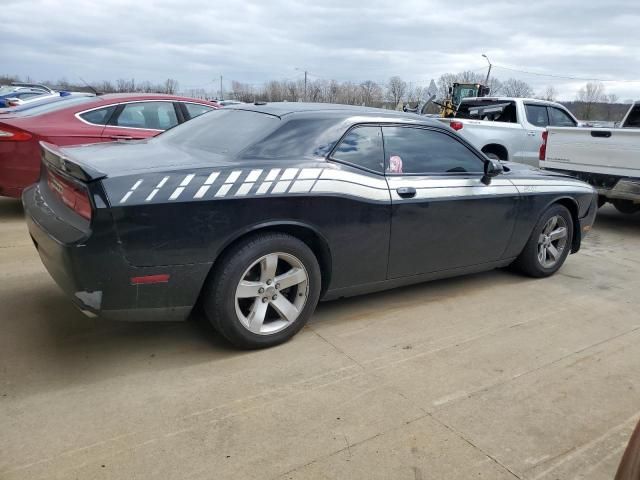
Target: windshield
column 48, row 105
column 225, row 131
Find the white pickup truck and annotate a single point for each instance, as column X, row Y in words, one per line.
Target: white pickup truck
column 507, row 128
column 607, row 158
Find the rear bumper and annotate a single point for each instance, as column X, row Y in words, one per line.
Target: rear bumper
column 96, row 276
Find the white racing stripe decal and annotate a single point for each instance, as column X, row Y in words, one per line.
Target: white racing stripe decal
column 207, row 184
column 278, row 181
column 157, row 189
column 176, row 193
column 249, row 183
column 128, row 194
column 228, row 183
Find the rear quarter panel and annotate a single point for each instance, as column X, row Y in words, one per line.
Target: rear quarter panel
column 178, row 218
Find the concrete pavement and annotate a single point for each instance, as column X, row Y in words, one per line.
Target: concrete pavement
column 488, row 376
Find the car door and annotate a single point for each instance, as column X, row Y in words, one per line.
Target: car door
column 536, row 121
column 141, row 119
column 442, row 216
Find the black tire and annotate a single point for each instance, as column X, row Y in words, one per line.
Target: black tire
column 626, row 206
column 528, row 261
column 219, row 293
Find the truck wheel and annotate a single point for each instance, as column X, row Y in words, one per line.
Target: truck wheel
column 549, row 243
column 626, row 206
column 263, row 290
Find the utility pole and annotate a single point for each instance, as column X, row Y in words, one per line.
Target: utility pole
column 486, row 82
column 304, row 99
column 221, row 94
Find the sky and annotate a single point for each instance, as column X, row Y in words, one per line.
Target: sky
column 197, row 41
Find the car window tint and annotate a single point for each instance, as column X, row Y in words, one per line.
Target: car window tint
column 362, row 146
column 98, row 117
column 224, row 131
column 415, row 150
column 537, row 115
column 560, row 118
column 196, row 109
column 151, row 115
column 633, row 119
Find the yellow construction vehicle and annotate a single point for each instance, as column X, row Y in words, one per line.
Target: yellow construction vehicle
column 457, row 92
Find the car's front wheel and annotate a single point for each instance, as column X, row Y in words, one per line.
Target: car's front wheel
column 549, row 243
column 263, row 291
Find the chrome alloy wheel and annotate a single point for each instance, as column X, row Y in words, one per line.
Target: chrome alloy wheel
column 271, row 293
column 552, row 241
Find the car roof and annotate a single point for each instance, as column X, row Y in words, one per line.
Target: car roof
column 283, row 109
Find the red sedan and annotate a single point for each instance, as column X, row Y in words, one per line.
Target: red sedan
column 104, row 118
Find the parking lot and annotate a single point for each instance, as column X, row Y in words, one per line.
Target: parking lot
column 487, row 376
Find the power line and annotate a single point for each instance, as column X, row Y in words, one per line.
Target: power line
column 565, row 77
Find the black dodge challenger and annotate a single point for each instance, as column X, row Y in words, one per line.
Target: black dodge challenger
column 255, row 212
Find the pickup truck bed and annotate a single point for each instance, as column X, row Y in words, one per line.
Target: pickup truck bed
column 607, row 158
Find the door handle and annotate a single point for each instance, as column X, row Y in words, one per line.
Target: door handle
column 406, row 192
column 531, row 134
column 601, row 133
column 121, row 137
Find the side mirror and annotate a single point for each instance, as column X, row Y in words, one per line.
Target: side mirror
column 492, row 168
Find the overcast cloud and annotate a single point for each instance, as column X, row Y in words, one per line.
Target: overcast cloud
column 196, row 41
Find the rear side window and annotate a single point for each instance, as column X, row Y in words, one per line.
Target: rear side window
column 224, row 131
column 196, row 109
column 362, row 147
column 537, row 115
column 98, row 117
column 419, row 151
column 633, row 119
column 149, row 115
column 496, row 111
column 560, row 118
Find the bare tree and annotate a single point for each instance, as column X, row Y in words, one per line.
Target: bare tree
column 170, row 86
column 396, row 88
column 549, row 94
column 589, row 95
column 371, row 93
column 516, row 88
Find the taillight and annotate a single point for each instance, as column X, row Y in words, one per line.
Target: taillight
column 456, row 125
column 74, row 197
column 13, row 134
column 543, row 148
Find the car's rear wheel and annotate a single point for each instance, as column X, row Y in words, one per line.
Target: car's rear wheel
column 549, row 243
column 263, row 290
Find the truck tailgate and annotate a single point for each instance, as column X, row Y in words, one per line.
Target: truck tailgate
column 595, row 150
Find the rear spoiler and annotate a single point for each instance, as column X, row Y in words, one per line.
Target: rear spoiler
column 58, row 159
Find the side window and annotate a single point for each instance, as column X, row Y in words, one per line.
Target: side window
column 150, row 115
column 537, row 115
column 416, row 150
column 196, row 109
column 362, row 146
column 633, row 119
column 98, row 117
column 559, row 118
